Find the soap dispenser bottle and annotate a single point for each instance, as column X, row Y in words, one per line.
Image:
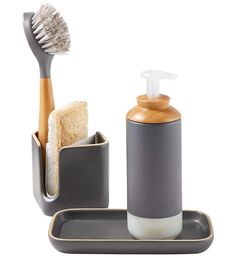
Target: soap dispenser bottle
column 154, row 164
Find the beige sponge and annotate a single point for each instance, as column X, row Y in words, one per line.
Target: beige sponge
column 66, row 125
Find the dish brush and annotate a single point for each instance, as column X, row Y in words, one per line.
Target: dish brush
column 47, row 35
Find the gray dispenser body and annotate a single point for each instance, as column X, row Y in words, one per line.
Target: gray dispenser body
column 154, row 169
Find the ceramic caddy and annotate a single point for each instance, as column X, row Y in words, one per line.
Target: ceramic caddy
column 83, row 175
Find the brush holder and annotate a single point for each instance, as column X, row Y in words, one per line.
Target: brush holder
column 83, row 175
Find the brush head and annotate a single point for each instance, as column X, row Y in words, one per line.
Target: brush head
column 50, row 30
column 47, row 35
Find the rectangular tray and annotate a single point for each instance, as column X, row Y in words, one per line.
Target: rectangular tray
column 105, row 231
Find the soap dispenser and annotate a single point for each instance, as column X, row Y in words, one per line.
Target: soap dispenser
column 154, row 205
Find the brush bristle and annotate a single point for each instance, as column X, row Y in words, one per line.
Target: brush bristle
column 50, row 30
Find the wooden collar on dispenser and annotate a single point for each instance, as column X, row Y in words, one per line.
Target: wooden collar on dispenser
column 153, row 111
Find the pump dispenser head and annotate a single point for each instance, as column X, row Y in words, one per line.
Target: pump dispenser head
column 154, row 107
column 153, row 81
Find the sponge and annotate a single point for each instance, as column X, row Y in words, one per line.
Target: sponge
column 66, row 125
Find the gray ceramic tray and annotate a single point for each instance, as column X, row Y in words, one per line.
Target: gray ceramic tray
column 105, row 231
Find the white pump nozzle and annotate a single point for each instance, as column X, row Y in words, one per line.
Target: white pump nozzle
column 153, row 81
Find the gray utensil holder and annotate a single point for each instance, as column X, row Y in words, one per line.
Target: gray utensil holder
column 83, row 176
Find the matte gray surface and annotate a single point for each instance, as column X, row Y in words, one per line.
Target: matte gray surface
column 105, row 231
column 154, row 182
column 43, row 58
column 83, row 176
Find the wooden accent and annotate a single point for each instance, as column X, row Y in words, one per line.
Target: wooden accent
column 46, row 107
column 153, row 111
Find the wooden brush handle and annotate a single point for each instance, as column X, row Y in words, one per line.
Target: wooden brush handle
column 46, row 107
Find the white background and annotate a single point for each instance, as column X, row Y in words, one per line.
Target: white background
column 112, row 42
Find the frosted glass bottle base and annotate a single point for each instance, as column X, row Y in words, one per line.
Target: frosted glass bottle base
column 149, row 228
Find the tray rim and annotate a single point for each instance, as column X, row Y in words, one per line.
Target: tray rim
column 50, row 234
